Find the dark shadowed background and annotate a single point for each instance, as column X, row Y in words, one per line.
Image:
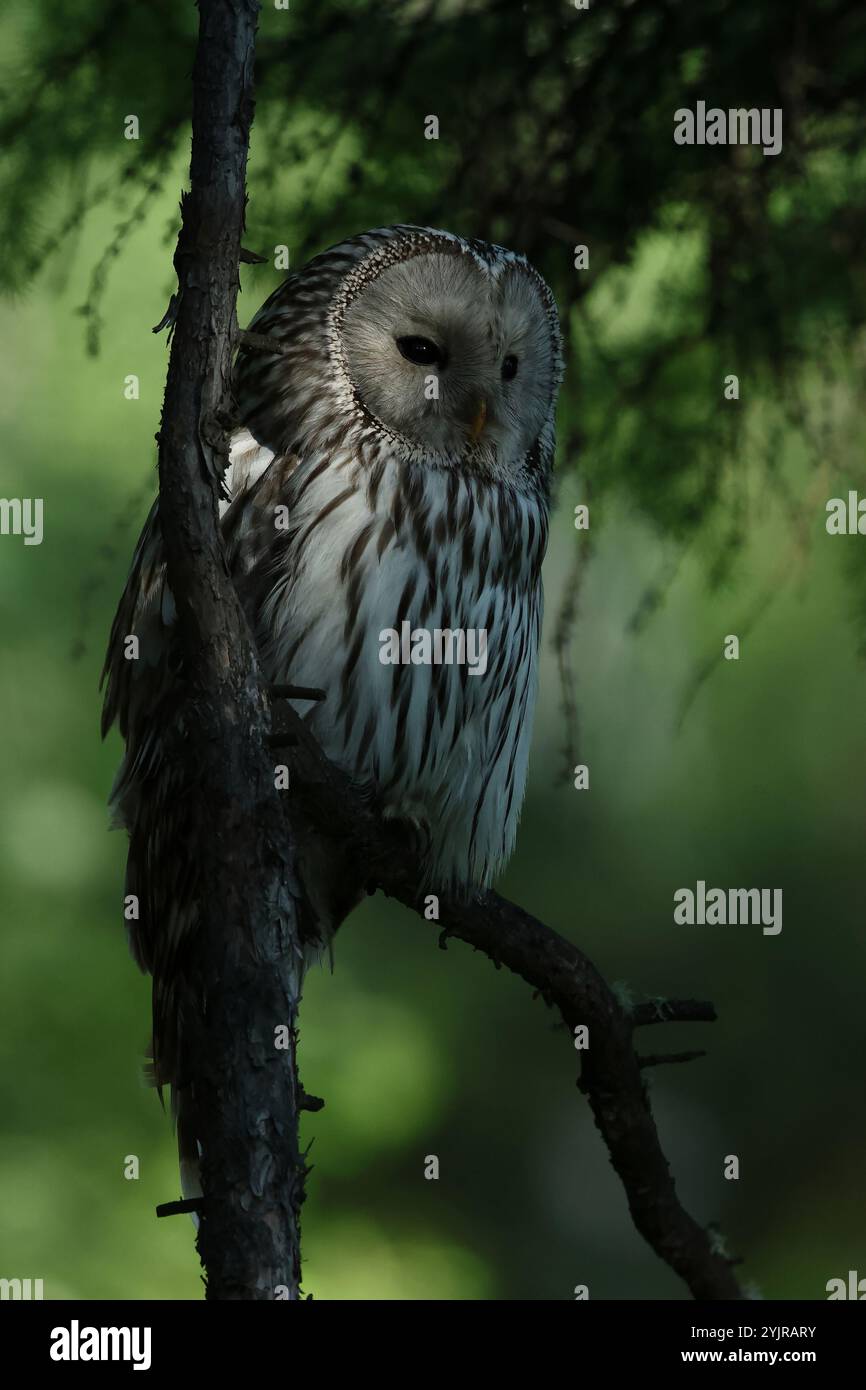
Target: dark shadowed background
column 707, row 519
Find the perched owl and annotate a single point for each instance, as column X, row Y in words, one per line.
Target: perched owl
column 389, row 481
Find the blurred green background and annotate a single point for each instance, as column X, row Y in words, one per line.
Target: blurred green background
column 707, row 518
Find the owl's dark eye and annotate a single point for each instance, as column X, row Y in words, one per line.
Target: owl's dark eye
column 509, row 367
column 421, row 351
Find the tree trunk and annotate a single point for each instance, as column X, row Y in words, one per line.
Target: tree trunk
column 248, row 962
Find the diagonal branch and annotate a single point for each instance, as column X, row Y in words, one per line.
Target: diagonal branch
column 566, row 979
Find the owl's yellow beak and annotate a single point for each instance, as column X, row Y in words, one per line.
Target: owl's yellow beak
column 479, row 422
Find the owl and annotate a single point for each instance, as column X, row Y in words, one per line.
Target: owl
column 385, row 523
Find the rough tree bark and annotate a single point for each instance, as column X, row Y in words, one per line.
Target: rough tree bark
column 247, row 953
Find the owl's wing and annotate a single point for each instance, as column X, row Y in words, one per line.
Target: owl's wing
column 248, row 462
column 143, row 676
column 134, row 682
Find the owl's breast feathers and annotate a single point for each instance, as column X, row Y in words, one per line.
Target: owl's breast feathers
column 367, row 546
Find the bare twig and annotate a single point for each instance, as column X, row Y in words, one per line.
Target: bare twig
column 672, row 1011
column 658, row 1059
column 186, row 1207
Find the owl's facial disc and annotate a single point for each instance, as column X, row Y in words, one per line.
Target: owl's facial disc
column 452, row 359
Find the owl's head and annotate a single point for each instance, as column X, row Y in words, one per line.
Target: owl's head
column 452, row 348
column 444, row 351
